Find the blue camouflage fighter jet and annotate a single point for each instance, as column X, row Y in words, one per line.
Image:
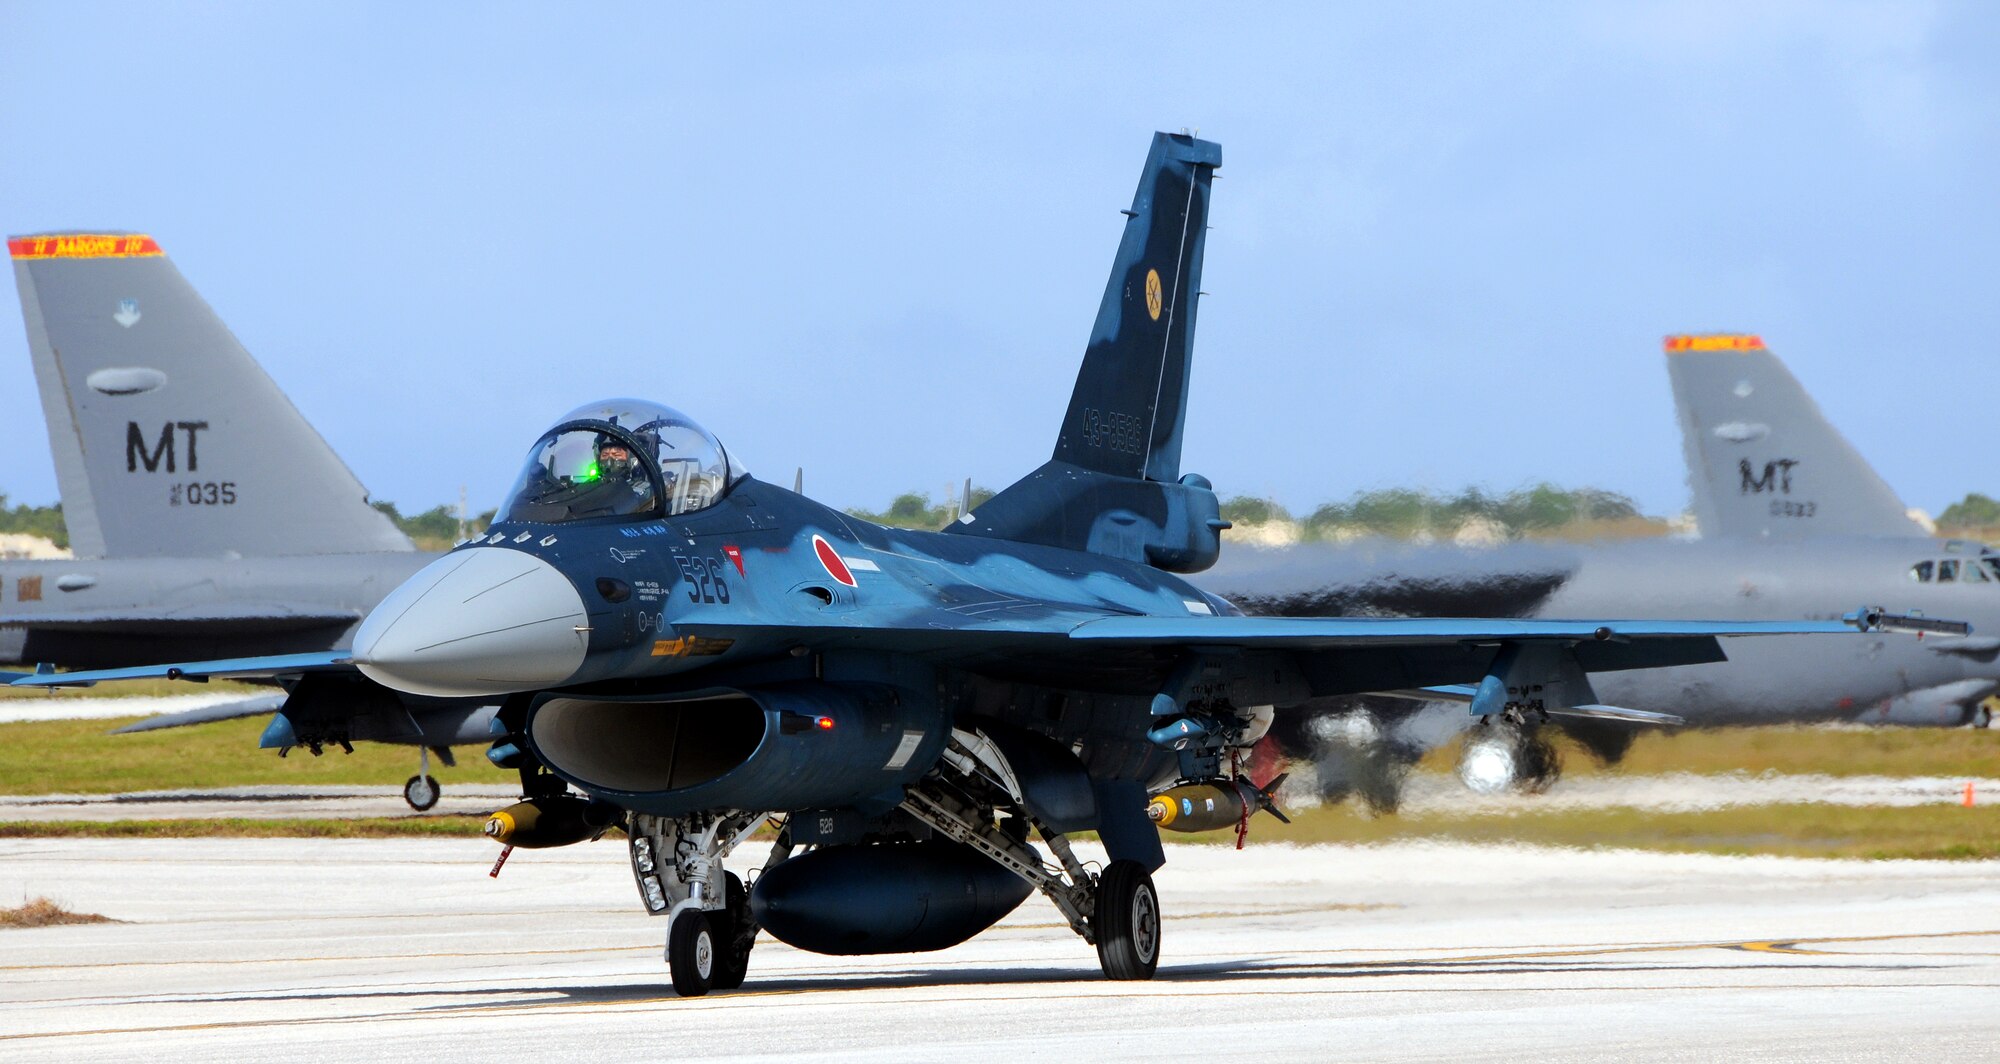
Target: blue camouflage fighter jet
column 684, row 652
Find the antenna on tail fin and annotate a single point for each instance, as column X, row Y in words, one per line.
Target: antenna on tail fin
column 1114, row 484
column 1763, row 462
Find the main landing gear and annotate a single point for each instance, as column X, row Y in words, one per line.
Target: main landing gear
column 678, row 865
column 1127, row 922
column 422, row 791
column 1117, row 911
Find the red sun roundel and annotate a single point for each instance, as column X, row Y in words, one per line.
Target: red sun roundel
column 831, row 559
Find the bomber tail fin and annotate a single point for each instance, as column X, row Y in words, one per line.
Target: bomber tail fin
column 1762, row 460
column 1114, row 484
column 169, row 439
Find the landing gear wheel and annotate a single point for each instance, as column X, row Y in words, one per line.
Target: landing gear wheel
column 691, row 953
column 734, row 935
column 1127, row 922
column 422, row 793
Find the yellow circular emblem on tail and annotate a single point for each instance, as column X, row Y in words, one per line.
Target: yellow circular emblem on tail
column 1153, row 293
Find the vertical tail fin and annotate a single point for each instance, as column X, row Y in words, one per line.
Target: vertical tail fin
column 169, row 439
column 1130, row 404
column 1114, row 484
column 1762, row 460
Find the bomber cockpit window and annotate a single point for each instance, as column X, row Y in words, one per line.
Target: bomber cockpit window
column 621, row 458
column 1921, row 572
column 1947, row 570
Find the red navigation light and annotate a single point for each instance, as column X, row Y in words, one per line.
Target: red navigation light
column 823, row 723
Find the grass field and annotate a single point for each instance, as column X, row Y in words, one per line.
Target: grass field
column 1790, row 749
column 138, row 689
column 77, row 757
column 1946, row 832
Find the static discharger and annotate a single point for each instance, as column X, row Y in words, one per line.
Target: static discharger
column 1717, row 342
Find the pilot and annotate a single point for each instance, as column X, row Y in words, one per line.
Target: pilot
column 620, row 486
column 614, row 459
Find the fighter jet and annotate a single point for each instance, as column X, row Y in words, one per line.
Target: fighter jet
column 1793, row 522
column 686, row 652
column 206, row 515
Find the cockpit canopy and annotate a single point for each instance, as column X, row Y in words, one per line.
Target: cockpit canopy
column 621, row 458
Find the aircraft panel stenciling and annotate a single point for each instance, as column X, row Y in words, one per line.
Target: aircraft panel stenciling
column 83, row 246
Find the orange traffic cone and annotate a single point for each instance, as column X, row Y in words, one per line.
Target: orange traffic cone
column 1968, row 794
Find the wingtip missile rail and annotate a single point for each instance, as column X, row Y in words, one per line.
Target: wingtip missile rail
column 1877, row 619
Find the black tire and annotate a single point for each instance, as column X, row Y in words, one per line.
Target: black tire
column 422, row 792
column 1127, row 922
column 691, row 953
column 735, row 934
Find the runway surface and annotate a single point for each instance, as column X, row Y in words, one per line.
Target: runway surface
column 405, row 950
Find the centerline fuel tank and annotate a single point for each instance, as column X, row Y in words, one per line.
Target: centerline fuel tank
column 889, row 898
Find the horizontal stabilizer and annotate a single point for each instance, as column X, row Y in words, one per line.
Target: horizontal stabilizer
column 243, row 707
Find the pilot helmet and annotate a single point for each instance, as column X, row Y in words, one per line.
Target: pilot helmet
column 613, row 468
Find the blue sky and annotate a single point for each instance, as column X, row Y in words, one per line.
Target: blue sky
column 870, row 241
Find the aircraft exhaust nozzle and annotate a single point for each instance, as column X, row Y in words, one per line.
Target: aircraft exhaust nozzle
column 478, row 621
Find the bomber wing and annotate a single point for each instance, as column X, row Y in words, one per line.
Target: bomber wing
column 254, row 706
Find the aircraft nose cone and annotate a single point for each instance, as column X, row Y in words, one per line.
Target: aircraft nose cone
column 478, row 621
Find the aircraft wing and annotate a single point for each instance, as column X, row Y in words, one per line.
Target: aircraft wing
column 263, row 668
column 1317, row 632
column 1337, row 655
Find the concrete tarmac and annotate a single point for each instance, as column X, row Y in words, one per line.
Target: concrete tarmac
column 404, row 949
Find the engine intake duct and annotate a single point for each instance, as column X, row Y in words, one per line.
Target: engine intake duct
column 778, row 748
